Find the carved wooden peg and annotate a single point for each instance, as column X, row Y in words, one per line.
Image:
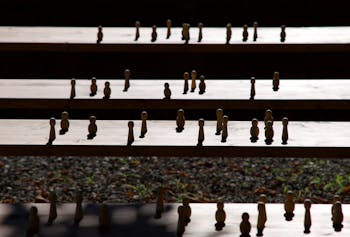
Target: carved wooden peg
column 245, row 33
column 53, row 208
column 64, row 122
column 130, row 133
column 201, row 132
column 144, row 117
column 107, row 90
column 307, row 216
column 254, row 130
column 285, row 130
column 269, row 133
column 52, row 135
column 126, row 79
column 93, row 87
column 252, row 88
column 224, row 133
column 219, row 114
column 289, row 206
column 245, row 225
column 186, row 77
column 200, row 32
column 137, row 34
column 160, row 203
column 276, row 81
column 168, row 25
column 283, row 33
column 220, row 216
column 167, row 91
column 92, row 129
column 180, row 120
column 154, row 33
column 228, row 33
column 72, row 90
column 193, row 80
column 99, row 35
column 202, row 85
column 255, row 35
column 261, row 218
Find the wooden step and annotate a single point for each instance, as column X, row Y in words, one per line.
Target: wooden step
column 138, row 220
column 306, row 139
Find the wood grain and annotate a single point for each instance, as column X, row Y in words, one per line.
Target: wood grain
column 121, row 39
column 137, row 220
column 306, row 139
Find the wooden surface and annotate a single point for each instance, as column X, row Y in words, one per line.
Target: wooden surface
column 216, row 89
column 79, row 38
column 137, row 220
column 148, row 94
column 313, row 139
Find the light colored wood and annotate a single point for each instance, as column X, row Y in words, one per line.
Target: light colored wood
column 138, row 219
column 216, row 89
column 213, row 35
column 163, row 133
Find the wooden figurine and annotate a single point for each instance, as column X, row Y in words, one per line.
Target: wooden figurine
column 183, row 31
column 64, row 123
column 92, row 129
column 202, row 85
column 289, row 206
column 137, row 34
column 144, row 117
column 160, row 203
column 52, row 135
column 252, row 88
column 130, row 133
column 126, row 79
column 245, row 33
column 224, row 133
column 276, row 81
column 283, row 33
column 220, row 216
column 168, row 25
column 269, row 133
column 245, row 225
column 99, row 35
column 201, row 132
column 337, row 216
column 33, row 228
column 307, row 217
column 254, row 130
column 167, row 91
column 193, row 80
column 79, row 213
column 180, row 120
column 255, row 36
column 154, row 33
column 187, row 210
column 285, row 130
column 186, row 33
column 219, row 114
column 181, row 221
column 104, row 219
column 268, row 116
column 107, row 90
column 335, row 199
column 263, row 198
column 200, row 33
column 228, row 33
column 93, row 87
column 72, row 90
column 261, row 218
column 53, row 208
column 186, row 77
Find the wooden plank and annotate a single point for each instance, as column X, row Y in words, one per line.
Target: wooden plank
column 121, row 39
column 216, row 89
column 137, row 220
column 306, row 139
column 148, row 94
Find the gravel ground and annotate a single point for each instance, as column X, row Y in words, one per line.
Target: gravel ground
column 136, row 179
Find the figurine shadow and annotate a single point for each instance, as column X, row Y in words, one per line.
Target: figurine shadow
column 127, row 220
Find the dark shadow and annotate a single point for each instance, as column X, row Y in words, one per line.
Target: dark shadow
column 139, row 218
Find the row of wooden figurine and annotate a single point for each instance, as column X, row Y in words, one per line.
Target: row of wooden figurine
column 221, row 127
column 185, row 33
column 185, row 212
column 167, row 92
